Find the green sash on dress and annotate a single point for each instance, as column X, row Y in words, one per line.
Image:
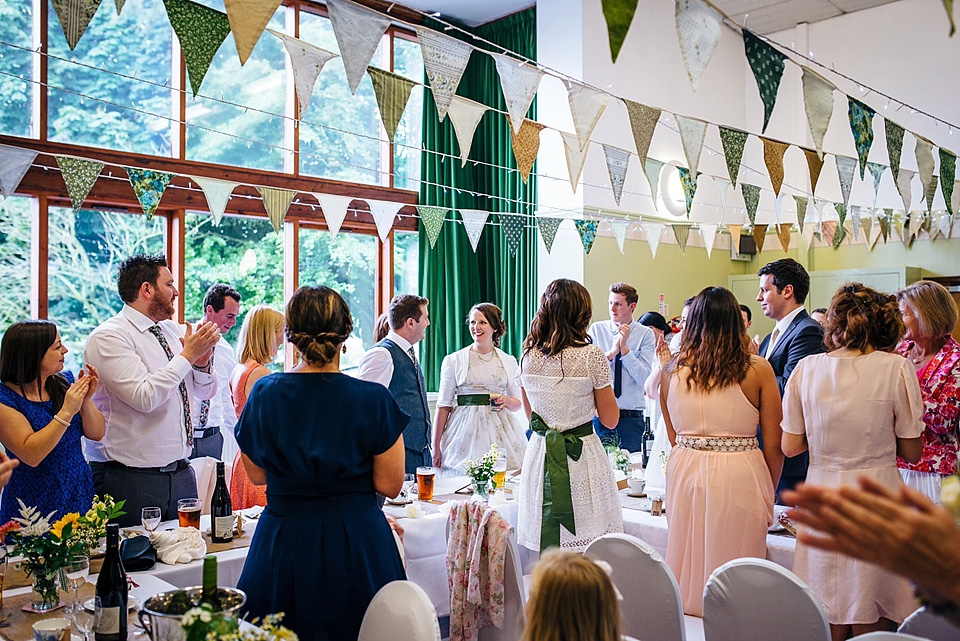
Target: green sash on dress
column 473, row 399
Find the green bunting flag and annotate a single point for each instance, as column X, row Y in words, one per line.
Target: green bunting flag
column 733, row 141
column 948, row 174
column 200, row 30
column 619, row 15
column 802, row 202
column 876, row 171
column 79, row 175
column 839, row 235
column 512, row 229
column 393, row 92
column 948, row 5
column 149, row 187
column 432, row 219
column 689, row 186
column 751, row 198
column 548, row 230
column 894, row 148
column 841, row 212
column 588, row 233
column 930, row 192
column 767, row 65
column 682, row 233
column 861, row 124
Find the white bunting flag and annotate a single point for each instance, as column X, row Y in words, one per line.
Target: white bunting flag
column 855, row 216
column 653, row 231
column 276, row 202
column 358, row 31
column 651, row 169
column 519, row 82
column 473, row 222
column 955, row 199
column 818, row 102
column 334, row 210
column 903, row 185
column 217, row 193
column 619, row 229
column 575, row 157
column 307, row 62
column 465, row 115
column 692, row 132
column 807, row 233
column 708, row 234
column 777, row 204
column 444, row 60
column 945, row 224
column 586, row 107
column 722, row 185
column 383, row 212
column 925, row 163
column 617, row 161
column 14, row 163
column 698, row 27
column 845, row 168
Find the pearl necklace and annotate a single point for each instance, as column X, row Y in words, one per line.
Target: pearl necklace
column 916, row 360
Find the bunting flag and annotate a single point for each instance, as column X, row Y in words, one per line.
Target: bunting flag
column 392, row 92
column 586, row 107
column 818, row 103
column 651, row 169
column 828, row 230
column 617, row 161
column 643, row 122
column 861, row 124
column 773, row 151
column 759, row 236
column 384, row 212
column 751, row 198
column 898, row 224
column 307, row 62
column 548, row 230
column 432, row 219
column 945, row 225
column 733, row 141
column 869, row 231
column 200, row 30
column 74, row 17
column 653, row 231
column 908, row 232
column 619, row 15
column 839, row 235
column 465, row 116
column 588, row 233
column 217, row 193
column 783, row 235
column 876, row 171
column 248, row 19
column 904, row 179
column 575, row 157
column 948, row 175
column 334, row 210
column 814, row 165
column 519, row 82
column 924, row 152
column 619, row 229
column 708, row 234
column 149, row 187
column 845, row 168
column 767, row 65
column 885, row 223
column 444, row 60
column 735, row 231
column 802, row 203
column 512, row 230
column 79, row 176
column 692, row 132
column 855, row 216
column 682, row 233
column 119, row 4
column 526, row 144
column 689, row 182
column 698, row 28
column 894, row 134
column 948, row 5
column 722, row 185
column 358, row 31
column 930, row 192
column 14, row 163
column 841, row 212
column 276, row 202
column 955, row 197
column 807, row 234
column 819, row 204
column 778, row 205
column 473, row 223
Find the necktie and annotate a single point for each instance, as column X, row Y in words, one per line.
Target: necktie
column 205, row 404
column 413, row 356
column 155, row 330
column 617, row 376
column 773, row 341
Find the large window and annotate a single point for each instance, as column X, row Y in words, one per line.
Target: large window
column 16, row 68
column 408, row 62
column 406, row 258
column 15, row 227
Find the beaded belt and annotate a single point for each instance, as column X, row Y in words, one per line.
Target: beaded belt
column 718, row 443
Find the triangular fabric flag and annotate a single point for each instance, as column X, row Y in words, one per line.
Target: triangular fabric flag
column 845, row 168
column 643, row 121
column 79, row 175
column 735, row 231
column 617, row 160
column 931, row 192
column 651, row 169
column 908, row 231
column 526, row 144
column 868, row 231
column 276, row 202
column 828, row 229
column 586, row 107
column 358, row 31
column 802, row 203
column 619, row 15
column 149, row 187
column 814, row 165
column 217, row 193
column 708, row 234
column 334, row 210
column 839, row 235
column 885, row 223
column 512, row 229
column 955, row 198
column 894, row 148
column 384, row 212
column 767, row 65
column 393, row 92
column 473, row 222
column 619, row 229
column 783, row 235
column 722, row 185
column 818, row 102
column 692, row 132
column 689, row 183
column 682, row 233
column 444, row 60
column 733, row 141
column 759, row 236
column 698, row 27
column 819, row 204
column 876, row 171
column 924, row 152
column 807, row 234
column 200, row 30
column 778, row 205
column 465, row 116
column 307, row 62
column 519, row 82
column 653, row 231
column 841, row 212
column 945, row 224
column 773, row 151
column 575, row 157
column 855, row 216
column 74, row 17
column 861, row 124
column 248, row 19
column 948, row 175
column 751, row 198
column 588, row 233
column 14, row 163
column 548, row 230
column 432, row 219
column 119, row 4
column 948, row 5
column 903, row 186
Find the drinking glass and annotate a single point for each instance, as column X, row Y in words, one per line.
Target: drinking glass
column 409, row 487
column 425, row 480
column 500, row 472
column 150, row 518
column 188, row 511
column 85, row 620
column 77, row 572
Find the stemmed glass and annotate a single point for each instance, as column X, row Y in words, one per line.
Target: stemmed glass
column 87, row 620
column 77, row 572
column 150, row 518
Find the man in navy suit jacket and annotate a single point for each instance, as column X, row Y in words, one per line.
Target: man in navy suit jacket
column 784, row 285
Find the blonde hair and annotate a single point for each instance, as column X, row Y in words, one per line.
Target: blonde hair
column 571, row 599
column 258, row 333
column 933, row 306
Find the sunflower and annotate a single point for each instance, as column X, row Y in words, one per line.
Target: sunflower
column 70, row 519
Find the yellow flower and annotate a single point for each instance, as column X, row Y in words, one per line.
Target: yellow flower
column 950, row 494
column 57, row 528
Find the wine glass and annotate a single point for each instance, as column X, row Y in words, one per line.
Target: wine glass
column 87, row 620
column 77, row 572
column 150, row 518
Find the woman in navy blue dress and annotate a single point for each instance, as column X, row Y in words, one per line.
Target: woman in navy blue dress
column 43, row 414
column 324, row 443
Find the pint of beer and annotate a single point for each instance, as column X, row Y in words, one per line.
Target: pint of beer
column 425, row 479
column 188, row 512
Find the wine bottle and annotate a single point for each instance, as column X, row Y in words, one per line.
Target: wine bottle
column 112, row 590
column 221, row 510
column 209, row 593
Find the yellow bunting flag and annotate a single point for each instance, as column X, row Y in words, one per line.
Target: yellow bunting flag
column 815, row 165
column 248, row 19
column 773, row 151
column 759, row 235
column 783, row 235
column 393, row 92
column 526, row 144
column 276, row 202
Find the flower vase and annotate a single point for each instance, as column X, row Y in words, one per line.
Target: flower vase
column 481, row 487
column 46, row 590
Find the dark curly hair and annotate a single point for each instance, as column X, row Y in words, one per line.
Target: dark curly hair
column 562, row 319
column 715, row 346
column 861, row 318
column 494, row 316
column 318, row 322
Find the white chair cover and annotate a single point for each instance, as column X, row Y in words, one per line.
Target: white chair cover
column 205, row 470
column 890, row 636
column 400, row 610
column 514, row 599
column 758, row 599
column 927, row 625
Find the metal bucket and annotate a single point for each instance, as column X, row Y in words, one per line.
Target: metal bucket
column 162, row 625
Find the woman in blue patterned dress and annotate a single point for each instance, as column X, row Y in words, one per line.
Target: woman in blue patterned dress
column 43, row 414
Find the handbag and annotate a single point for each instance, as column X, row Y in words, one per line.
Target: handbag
column 137, row 554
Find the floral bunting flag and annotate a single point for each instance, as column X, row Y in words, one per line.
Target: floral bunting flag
column 432, row 219
column 855, row 216
column 653, row 231
column 651, row 169
column 617, row 161
column 845, row 168
column 526, row 144
column 149, row 187
column 818, row 103
column 689, row 182
column 473, row 222
column 708, row 234
column 885, row 223
column 200, row 30
column 248, row 19
column 767, row 65
column 444, row 60
column 698, row 27
column 119, row 4
column 586, row 107
column 841, row 212
column 334, row 210
column 575, row 157
column 392, row 92
column 307, row 62
column 276, row 202
column 74, row 17
column 519, row 82
column 14, row 163
column 948, row 175
column 512, row 230
column 773, row 151
column 814, row 165
column 751, row 198
column 588, row 233
column 783, row 235
column 722, row 185
column 876, row 171
column 465, row 115
column 682, row 233
column 839, row 234
column 358, row 31
column 861, row 124
column 643, row 122
column 217, row 193
column 930, row 192
column 894, row 134
column 759, row 236
column 618, row 15
column 904, row 178
column 548, row 230
column 79, row 176
column 619, row 229
column 802, row 203
column 924, row 152
column 692, row 132
column 733, row 141
column 384, row 212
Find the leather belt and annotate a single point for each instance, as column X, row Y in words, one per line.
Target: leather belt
column 205, row 432
column 623, row 414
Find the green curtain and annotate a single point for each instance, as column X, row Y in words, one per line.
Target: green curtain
column 452, row 276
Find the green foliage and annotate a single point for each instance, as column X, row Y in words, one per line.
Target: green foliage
column 16, row 17
column 14, row 260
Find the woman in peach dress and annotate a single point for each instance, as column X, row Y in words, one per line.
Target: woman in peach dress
column 720, row 484
column 261, row 335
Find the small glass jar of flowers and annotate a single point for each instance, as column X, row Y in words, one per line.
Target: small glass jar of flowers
column 481, row 472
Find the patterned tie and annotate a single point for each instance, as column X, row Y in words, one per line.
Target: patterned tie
column 155, row 330
column 205, row 404
column 617, row 376
column 413, row 356
column 773, row 341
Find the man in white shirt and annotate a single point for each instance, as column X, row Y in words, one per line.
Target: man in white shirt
column 145, row 387
column 216, row 418
column 630, row 348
